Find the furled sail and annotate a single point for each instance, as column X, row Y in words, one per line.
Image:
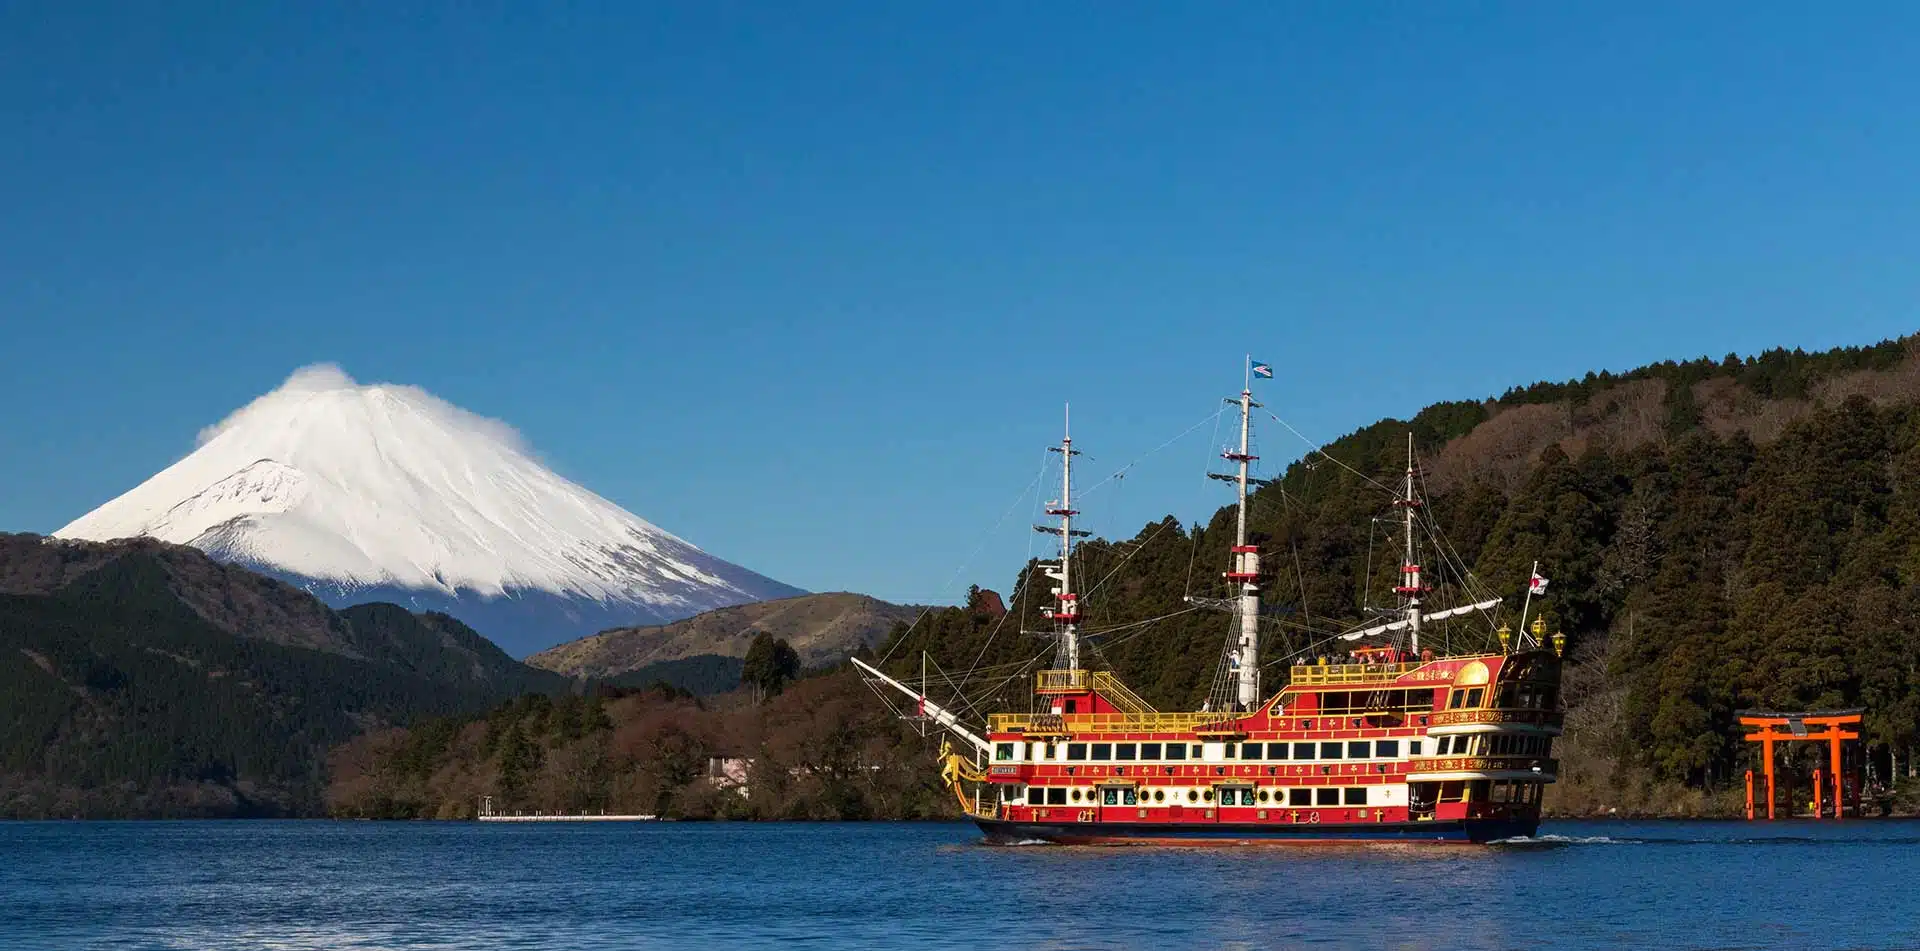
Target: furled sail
column 1403, row 622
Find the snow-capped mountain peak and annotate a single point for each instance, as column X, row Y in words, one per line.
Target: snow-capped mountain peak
column 351, row 487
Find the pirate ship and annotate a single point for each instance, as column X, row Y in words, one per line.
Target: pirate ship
column 1366, row 734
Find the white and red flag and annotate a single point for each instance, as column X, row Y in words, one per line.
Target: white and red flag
column 1537, row 584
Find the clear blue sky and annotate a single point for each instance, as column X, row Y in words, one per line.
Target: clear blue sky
column 807, row 284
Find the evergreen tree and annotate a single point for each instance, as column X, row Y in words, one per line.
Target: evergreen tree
column 769, row 666
column 519, row 759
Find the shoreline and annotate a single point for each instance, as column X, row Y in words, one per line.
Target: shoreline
column 650, row 819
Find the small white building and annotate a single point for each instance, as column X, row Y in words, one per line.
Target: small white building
column 729, row 772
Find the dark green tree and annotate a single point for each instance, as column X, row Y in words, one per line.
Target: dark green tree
column 770, row 665
column 520, row 758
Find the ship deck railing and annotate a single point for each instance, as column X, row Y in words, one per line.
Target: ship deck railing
column 1107, row 685
column 1061, row 681
column 1078, row 681
column 1102, row 682
column 1074, row 723
column 1312, row 674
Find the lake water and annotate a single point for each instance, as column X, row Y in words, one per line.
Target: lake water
column 301, row 885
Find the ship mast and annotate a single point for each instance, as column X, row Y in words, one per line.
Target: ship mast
column 1066, row 615
column 1413, row 585
column 1245, row 564
column 1410, row 588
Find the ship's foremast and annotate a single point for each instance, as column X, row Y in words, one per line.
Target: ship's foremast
column 1411, row 587
column 1066, row 611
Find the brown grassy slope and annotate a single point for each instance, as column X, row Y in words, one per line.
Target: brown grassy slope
column 232, row 599
column 1505, row 447
column 244, row 604
column 821, row 627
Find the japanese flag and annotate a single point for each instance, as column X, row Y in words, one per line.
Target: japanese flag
column 1536, row 584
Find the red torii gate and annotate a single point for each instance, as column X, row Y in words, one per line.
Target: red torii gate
column 1829, row 726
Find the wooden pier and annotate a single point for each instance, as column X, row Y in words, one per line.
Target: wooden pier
column 489, row 814
column 537, row 817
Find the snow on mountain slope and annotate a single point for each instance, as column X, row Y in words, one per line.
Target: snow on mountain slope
column 362, row 491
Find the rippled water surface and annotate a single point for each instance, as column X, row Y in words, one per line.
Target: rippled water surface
column 682, row 885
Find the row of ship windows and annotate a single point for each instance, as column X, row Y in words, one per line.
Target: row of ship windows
column 1245, row 752
column 1127, row 796
column 1471, row 744
column 1424, row 795
column 1492, row 744
column 1521, row 696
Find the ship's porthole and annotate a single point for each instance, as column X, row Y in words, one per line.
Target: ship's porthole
column 1207, row 796
column 1159, row 795
column 1076, row 795
column 1193, row 795
column 1263, row 795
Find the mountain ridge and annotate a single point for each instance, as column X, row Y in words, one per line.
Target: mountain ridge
column 822, row 628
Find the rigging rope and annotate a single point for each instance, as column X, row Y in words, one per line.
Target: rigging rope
column 1138, row 624
column 1470, row 585
column 1300, row 578
column 1315, row 447
column 1018, row 588
column 1194, row 551
column 1046, row 466
column 1121, row 473
column 1373, row 534
column 928, row 609
column 994, row 684
column 960, row 693
column 1123, row 561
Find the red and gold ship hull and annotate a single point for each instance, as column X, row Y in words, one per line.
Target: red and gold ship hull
column 1204, row 835
column 1448, row 750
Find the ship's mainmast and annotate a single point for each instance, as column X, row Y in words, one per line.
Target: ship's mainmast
column 1066, row 614
column 1245, row 567
column 1411, row 587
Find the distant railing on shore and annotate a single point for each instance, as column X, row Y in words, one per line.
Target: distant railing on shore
column 488, row 813
column 538, row 817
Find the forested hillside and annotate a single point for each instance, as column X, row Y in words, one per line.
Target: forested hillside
column 824, row 748
column 1721, row 534
column 144, row 679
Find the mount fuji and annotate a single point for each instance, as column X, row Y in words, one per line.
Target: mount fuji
column 385, row 492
